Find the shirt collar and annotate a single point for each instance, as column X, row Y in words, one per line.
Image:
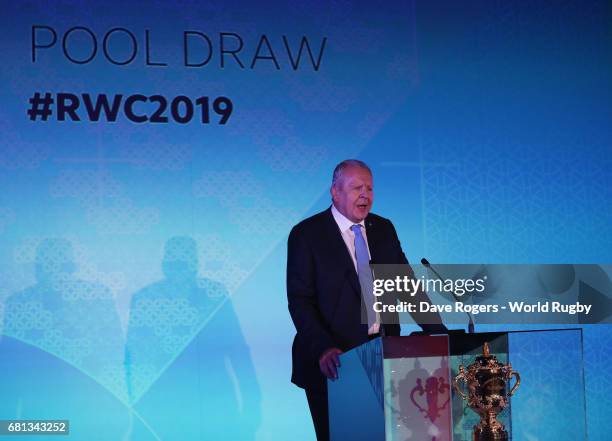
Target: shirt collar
column 343, row 222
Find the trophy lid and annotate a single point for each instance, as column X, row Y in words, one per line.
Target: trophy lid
column 485, row 350
column 486, row 358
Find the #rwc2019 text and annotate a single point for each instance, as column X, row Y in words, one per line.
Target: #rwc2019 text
column 137, row 108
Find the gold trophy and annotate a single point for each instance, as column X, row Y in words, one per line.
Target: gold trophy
column 486, row 380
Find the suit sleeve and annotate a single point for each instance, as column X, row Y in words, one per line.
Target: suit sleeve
column 302, row 295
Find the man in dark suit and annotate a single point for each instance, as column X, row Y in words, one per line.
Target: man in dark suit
column 327, row 283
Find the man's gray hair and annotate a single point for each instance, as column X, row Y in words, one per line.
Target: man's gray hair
column 337, row 176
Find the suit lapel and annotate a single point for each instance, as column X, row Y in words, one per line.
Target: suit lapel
column 374, row 239
column 342, row 253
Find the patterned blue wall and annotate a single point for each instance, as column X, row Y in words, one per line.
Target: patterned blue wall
column 131, row 253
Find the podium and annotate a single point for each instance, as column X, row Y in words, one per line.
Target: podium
column 400, row 388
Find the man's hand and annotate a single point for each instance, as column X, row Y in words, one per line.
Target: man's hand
column 329, row 362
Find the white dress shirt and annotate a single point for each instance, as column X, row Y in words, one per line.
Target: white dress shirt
column 345, row 224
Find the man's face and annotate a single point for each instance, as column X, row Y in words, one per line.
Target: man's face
column 353, row 194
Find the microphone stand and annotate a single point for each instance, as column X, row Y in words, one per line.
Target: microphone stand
column 427, row 265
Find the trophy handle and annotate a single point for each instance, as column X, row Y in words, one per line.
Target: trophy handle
column 516, row 385
column 460, row 377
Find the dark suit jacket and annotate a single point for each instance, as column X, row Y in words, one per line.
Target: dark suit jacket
column 323, row 290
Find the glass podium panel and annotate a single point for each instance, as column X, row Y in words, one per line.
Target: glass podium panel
column 392, row 389
column 401, row 388
column 355, row 400
column 417, row 389
column 550, row 402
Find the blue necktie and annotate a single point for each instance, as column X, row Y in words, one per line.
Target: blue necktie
column 364, row 272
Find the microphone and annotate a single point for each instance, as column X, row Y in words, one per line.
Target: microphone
column 427, row 265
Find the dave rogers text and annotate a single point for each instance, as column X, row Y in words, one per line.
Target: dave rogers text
column 430, row 307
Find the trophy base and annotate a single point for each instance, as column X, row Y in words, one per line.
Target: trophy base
column 490, row 435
